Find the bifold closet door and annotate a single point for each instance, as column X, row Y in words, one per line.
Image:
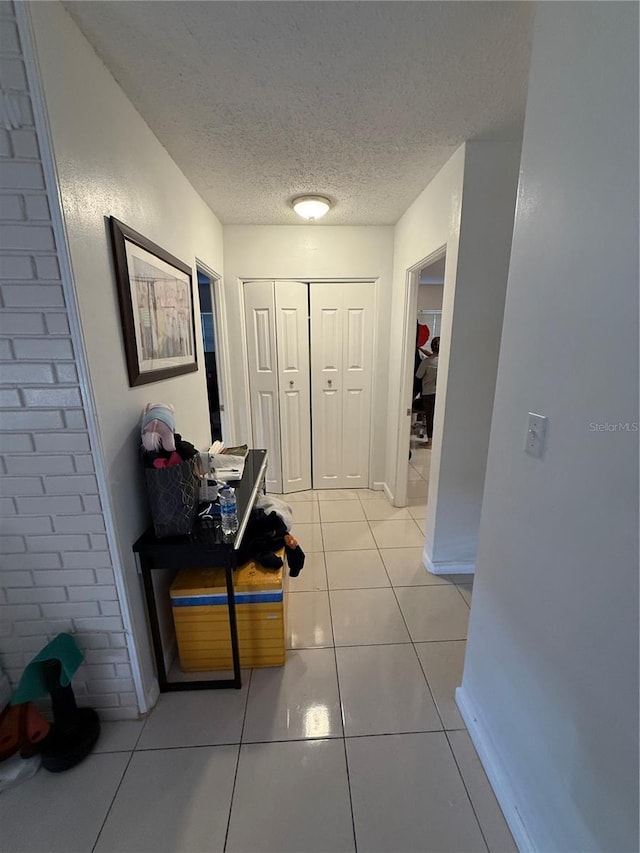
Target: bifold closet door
column 260, row 319
column 276, row 316
column 341, row 375
column 292, row 343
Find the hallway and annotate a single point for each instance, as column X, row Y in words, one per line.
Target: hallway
column 355, row 744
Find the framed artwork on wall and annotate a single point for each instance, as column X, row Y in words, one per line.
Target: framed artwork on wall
column 156, row 308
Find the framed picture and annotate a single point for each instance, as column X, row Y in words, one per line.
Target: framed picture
column 156, row 308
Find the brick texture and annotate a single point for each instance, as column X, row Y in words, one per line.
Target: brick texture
column 55, row 565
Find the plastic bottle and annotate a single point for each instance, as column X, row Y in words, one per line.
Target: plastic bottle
column 228, row 510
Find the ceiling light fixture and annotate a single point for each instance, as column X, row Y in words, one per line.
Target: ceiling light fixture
column 311, row 207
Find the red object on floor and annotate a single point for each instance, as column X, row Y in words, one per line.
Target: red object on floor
column 22, row 727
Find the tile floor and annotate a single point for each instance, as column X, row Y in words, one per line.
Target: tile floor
column 356, row 744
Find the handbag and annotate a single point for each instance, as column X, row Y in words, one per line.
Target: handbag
column 173, row 497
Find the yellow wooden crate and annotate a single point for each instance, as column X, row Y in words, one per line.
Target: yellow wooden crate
column 201, row 617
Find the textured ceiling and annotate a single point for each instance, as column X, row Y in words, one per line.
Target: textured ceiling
column 361, row 101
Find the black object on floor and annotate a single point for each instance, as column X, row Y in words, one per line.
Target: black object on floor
column 74, row 731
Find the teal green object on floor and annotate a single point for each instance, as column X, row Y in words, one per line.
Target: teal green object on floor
column 32, row 684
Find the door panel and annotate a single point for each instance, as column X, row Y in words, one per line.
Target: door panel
column 354, row 461
column 263, row 376
column 341, row 375
column 329, row 427
column 263, row 339
column 326, row 375
column 265, row 433
column 292, row 461
column 289, row 346
column 355, row 343
column 329, row 359
column 358, row 301
column 292, row 325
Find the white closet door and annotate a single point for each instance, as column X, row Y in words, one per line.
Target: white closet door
column 292, row 335
column 342, row 350
column 326, row 384
column 259, row 304
column 357, row 372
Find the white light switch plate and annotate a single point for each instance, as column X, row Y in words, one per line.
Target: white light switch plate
column 536, row 431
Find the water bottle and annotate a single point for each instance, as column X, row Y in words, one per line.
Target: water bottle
column 228, row 510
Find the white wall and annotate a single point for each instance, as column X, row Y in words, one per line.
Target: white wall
column 431, row 222
column 309, row 253
column 109, row 163
column 430, row 296
column 550, row 689
column 469, row 344
column 468, row 208
column 57, row 569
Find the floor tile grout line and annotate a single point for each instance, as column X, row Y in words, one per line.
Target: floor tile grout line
column 365, row 645
column 333, row 738
column 235, row 775
column 463, row 598
column 189, row 746
column 415, row 651
column 464, row 785
column 142, row 728
column 113, row 799
column 342, row 723
column 353, row 817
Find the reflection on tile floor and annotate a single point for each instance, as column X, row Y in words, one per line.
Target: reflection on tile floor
column 356, row 743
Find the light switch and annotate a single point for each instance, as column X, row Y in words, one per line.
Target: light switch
column 536, row 431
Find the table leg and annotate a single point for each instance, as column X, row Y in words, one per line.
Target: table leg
column 154, row 624
column 230, row 565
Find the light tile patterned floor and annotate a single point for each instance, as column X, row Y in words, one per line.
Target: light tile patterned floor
column 356, row 744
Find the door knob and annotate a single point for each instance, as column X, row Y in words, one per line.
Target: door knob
column 329, row 382
column 291, row 383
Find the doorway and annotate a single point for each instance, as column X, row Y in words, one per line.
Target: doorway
column 425, row 290
column 429, row 320
column 211, row 343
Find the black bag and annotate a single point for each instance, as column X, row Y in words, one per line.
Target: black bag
column 173, row 497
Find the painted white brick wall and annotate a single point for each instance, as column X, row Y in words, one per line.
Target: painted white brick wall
column 55, row 566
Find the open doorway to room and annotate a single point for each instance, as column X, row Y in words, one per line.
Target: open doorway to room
column 431, row 270
column 210, row 332
column 429, row 292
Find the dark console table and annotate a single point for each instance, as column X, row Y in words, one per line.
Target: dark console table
column 201, row 548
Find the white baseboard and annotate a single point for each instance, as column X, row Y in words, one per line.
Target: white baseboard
column 506, row 792
column 152, row 696
column 447, row 568
column 378, row 487
column 388, row 493
column 110, row 715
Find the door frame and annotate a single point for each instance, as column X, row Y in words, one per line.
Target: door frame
column 309, row 280
column 403, row 440
column 222, row 346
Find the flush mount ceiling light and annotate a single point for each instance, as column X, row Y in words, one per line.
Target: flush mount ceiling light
column 311, row 207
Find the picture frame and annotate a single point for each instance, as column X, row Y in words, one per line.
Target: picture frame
column 155, row 292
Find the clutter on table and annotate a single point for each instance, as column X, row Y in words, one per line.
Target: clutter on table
column 267, row 533
column 227, row 463
column 172, row 471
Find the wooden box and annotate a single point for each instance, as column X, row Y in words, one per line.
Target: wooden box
column 201, row 617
